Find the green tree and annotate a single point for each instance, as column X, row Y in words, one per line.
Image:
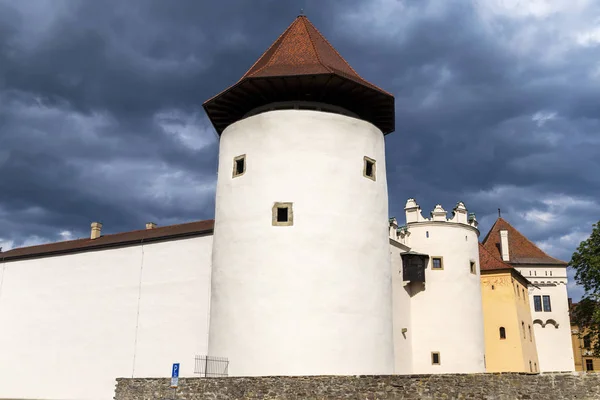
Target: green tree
column 586, row 263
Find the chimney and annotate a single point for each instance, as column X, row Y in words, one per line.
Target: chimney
column 96, row 230
column 504, row 245
column 150, row 225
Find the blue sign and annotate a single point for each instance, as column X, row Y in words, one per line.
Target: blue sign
column 175, row 375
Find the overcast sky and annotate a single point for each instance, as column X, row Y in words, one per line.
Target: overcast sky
column 497, row 105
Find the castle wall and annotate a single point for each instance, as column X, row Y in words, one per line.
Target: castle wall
column 507, row 386
column 402, row 313
column 314, row 296
column 552, row 328
column 71, row 324
column 447, row 314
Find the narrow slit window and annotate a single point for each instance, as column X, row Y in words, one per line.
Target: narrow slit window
column 473, row 267
column 435, row 358
column 530, row 337
column 369, row 170
column 283, row 214
column 239, row 165
column 523, row 326
column 502, row 333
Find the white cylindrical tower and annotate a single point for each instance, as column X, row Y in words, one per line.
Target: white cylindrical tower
column 301, row 269
column 448, row 315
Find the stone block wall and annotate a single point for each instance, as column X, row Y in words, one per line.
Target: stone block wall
column 501, row 386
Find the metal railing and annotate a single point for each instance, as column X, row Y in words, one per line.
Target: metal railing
column 211, row 367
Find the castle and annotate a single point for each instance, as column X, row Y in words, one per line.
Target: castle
column 302, row 272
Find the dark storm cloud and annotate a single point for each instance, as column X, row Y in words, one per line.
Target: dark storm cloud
column 100, row 107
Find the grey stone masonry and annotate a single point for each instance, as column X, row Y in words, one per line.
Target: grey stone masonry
column 497, row 386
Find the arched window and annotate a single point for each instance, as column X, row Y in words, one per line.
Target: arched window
column 502, row 333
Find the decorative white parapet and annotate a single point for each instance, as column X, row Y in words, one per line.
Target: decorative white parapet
column 460, row 214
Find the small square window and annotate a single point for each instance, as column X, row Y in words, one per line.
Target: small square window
column 473, row 267
column 435, row 358
column 369, row 170
column 283, row 214
column 436, row 263
column 239, row 165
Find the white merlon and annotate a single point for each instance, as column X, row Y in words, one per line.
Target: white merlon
column 413, row 212
column 438, row 213
column 504, row 245
column 459, row 213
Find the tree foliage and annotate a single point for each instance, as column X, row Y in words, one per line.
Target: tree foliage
column 586, row 263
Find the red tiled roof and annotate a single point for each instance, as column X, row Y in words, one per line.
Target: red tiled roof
column 521, row 250
column 303, row 50
column 487, row 262
column 113, row 240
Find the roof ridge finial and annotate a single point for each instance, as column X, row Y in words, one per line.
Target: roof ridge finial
column 302, row 12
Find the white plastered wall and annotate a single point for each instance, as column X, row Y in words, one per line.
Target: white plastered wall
column 402, row 313
column 315, row 297
column 554, row 346
column 447, row 315
column 69, row 324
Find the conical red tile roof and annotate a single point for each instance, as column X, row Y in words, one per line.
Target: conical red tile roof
column 302, row 66
column 521, row 250
column 303, row 50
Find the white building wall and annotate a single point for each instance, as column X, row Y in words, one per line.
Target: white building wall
column 315, row 297
column 554, row 346
column 403, row 362
column 447, row 315
column 69, row 324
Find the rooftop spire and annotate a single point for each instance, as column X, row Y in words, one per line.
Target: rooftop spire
column 301, row 65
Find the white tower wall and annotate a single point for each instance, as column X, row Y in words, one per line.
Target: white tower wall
column 447, row 314
column 314, row 297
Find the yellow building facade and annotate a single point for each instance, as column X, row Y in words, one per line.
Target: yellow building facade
column 509, row 337
column 583, row 356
